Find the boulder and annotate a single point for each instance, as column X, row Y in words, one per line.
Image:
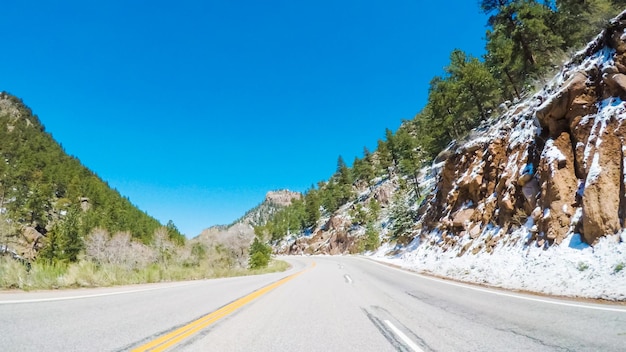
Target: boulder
column 31, row 235
column 282, row 198
column 530, row 190
column 557, row 107
column 616, row 82
column 462, row 217
column 559, row 185
column 383, row 194
column 337, row 223
column 475, row 231
column 601, row 197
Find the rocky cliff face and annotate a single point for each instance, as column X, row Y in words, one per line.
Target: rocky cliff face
column 335, row 236
column 554, row 162
column 282, row 198
column 551, row 166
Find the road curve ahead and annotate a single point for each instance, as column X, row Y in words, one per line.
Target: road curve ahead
column 321, row 304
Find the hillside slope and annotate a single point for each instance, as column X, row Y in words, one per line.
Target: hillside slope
column 535, row 199
column 48, row 198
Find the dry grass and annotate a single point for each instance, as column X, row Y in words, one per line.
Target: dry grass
column 14, row 275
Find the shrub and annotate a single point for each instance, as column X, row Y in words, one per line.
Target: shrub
column 372, row 241
column 619, row 267
column 260, row 254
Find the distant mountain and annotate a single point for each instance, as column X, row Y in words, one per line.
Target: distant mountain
column 238, row 235
column 274, row 201
column 48, row 199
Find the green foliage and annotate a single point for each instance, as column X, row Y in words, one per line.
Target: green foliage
column 260, row 254
column 618, row 267
column 331, row 194
column 522, row 27
column 372, row 239
column 173, row 233
column 373, row 209
column 291, row 219
column 578, row 21
column 461, row 99
column 312, row 208
column 363, row 169
column 384, row 158
column 402, row 221
column 343, row 183
column 39, row 181
column 338, row 190
column 358, row 214
column 64, row 242
column 198, row 253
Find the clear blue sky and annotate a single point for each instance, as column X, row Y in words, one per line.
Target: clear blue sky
column 195, row 109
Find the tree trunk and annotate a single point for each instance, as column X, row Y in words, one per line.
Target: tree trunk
column 508, row 75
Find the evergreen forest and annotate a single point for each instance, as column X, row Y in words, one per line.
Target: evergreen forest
column 52, row 193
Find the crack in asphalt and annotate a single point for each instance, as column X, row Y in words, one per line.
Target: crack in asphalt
column 539, row 341
column 389, row 335
column 461, row 312
column 386, row 333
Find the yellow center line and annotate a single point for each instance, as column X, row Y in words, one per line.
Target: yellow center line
column 178, row 335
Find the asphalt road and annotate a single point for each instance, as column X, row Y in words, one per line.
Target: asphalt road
column 330, row 304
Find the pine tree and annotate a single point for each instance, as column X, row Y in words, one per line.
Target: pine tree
column 312, row 205
column 393, row 148
column 411, row 157
column 260, row 254
column 358, row 214
column 477, row 88
column 71, row 241
column 344, row 175
column 329, row 196
column 372, row 239
column 373, row 208
column 504, row 66
column 578, row 21
column 363, row 169
column 402, row 221
column 384, row 158
column 174, row 234
column 521, row 27
column 344, row 182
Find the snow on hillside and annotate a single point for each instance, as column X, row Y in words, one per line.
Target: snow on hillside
column 519, row 204
column 571, row 269
column 523, row 257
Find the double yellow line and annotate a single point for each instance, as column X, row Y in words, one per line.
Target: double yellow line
column 168, row 340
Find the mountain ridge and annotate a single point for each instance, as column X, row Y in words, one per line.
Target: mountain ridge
column 48, row 198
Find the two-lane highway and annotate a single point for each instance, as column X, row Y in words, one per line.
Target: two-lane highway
column 321, row 304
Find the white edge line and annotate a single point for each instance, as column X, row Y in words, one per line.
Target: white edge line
column 67, row 298
column 404, row 338
column 494, row 292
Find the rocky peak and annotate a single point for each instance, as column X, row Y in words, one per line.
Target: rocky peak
column 282, row 198
column 14, row 109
